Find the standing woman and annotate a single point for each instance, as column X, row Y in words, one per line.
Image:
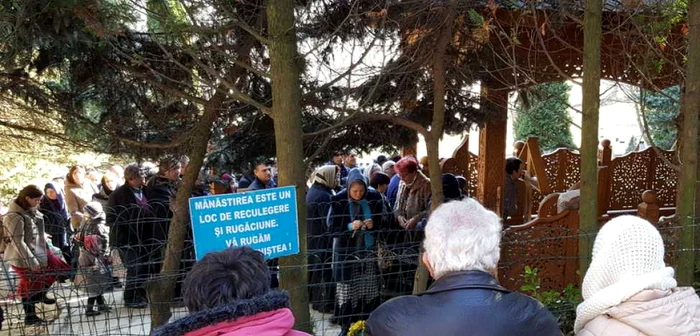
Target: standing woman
column 414, row 193
column 319, row 241
column 56, row 219
column 355, row 214
column 79, row 191
column 26, row 251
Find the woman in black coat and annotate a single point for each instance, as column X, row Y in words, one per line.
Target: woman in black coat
column 56, row 220
column 319, row 240
column 355, row 216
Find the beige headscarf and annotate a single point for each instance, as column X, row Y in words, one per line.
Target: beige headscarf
column 326, row 175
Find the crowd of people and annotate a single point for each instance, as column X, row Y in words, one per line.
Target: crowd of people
column 364, row 230
column 628, row 289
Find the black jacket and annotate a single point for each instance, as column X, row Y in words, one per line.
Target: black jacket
column 160, row 192
column 126, row 219
column 463, row 303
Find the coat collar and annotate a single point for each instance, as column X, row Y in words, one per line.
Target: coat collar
column 270, row 301
column 466, row 280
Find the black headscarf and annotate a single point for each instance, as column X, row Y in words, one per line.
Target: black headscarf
column 57, row 206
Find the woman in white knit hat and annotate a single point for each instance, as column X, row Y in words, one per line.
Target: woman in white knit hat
column 628, row 290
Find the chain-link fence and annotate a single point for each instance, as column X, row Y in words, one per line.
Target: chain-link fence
column 350, row 272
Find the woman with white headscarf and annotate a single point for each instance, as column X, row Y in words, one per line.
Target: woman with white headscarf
column 628, row 290
column 319, row 240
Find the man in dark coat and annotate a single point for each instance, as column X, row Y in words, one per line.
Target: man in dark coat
column 126, row 209
column 462, row 241
column 337, row 160
column 160, row 191
column 263, row 180
column 263, row 177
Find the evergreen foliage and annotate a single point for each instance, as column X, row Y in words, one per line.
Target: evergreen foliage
column 542, row 112
column 661, row 110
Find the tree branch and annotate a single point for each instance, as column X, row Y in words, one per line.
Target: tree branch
column 357, row 117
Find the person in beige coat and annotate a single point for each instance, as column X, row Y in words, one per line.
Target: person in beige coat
column 79, row 192
column 628, row 290
column 25, row 249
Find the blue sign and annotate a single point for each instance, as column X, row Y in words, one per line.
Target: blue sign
column 265, row 220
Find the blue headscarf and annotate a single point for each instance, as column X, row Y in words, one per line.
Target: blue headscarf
column 355, row 176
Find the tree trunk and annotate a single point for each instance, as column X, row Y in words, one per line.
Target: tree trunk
column 286, row 109
column 160, row 291
column 436, row 129
column 589, row 137
column 689, row 149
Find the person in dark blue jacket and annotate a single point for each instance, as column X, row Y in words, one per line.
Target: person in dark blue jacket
column 263, row 177
column 319, row 240
column 462, row 242
column 356, row 213
column 393, row 190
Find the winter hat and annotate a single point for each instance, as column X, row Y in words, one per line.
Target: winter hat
column 94, row 210
column 628, row 257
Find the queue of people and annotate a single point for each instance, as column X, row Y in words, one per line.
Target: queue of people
column 354, row 223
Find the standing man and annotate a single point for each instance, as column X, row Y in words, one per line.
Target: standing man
column 127, row 208
column 337, row 160
column 160, row 190
column 262, row 173
column 351, row 160
column 514, row 173
column 263, row 179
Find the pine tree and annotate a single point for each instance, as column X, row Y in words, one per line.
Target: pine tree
column 632, row 145
column 542, row 112
column 661, row 110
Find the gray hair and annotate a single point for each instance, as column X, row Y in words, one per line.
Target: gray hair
column 133, row 171
column 463, row 236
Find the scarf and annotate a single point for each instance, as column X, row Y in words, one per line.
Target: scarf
column 368, row 171
column 359, row 210
column 57, row 206
column 628, row 257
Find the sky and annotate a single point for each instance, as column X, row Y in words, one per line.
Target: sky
column 618, row 123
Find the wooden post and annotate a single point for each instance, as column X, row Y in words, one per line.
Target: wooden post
column 649, row 208
column 461, row 156
column 604, row 171
column 603, row 189
column 492, row 147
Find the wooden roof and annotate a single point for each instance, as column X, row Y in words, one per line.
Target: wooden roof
column 530, row 47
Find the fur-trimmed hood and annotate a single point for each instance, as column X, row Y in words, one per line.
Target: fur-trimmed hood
column 269, row 310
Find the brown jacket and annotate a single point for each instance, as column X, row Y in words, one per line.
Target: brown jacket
column 673, row 312
column 76, row 198
column 413, row 202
